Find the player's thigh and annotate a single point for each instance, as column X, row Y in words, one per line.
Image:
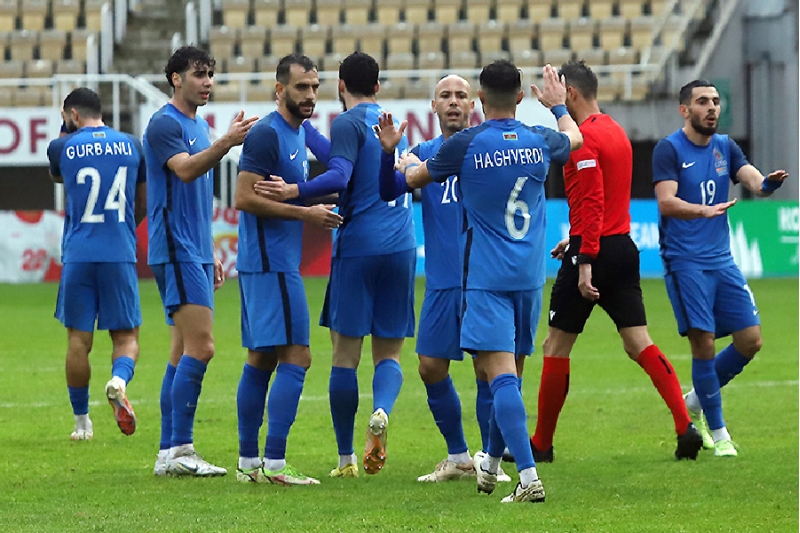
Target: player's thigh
column 76, row 304
column 439, row 330
column 274, row 310
column 184, row 283
column 569, row 310
column 527, row 310
column 692, row 294
column 393, row 297
column 118, row 297
column 348, row 298
column 488, row 324
column 735, row 307
column 618, row 280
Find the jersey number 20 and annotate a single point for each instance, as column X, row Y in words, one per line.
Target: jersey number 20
column 115, row 200
column 514, row 206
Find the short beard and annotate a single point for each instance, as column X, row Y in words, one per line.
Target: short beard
column 703, row 130
column 341, row 99
column 294, row 109
column 71, row 126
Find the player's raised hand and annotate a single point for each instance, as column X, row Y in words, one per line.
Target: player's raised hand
column 588, row 290
column 558, row 251
column 711, row 211
column 778, row 176
column 239, row 128
column 276, row 189
column 406, row 160
column 555, row 88
column 388, row 134
column 322, row 215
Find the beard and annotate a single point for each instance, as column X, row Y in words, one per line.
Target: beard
column 294, row 108
column 341, row 99
column 71, row 126
column 698, row 126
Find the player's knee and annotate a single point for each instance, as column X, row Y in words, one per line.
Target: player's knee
column 432, row 370
column 750, row 346
column 202, row 349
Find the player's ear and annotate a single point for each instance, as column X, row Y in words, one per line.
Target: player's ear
column 341, row 87
column 73, row 113
column 377, row 87
column 684, row 109
column 520, row 96
column 177, row 80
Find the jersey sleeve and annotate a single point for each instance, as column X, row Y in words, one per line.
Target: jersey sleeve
column 54, row 150
column 347, row 137
column 415, row 151
column 141, row 176
column 450, row 157
column 165, row 137
column 319, row 145
column 590, row 205
column 558, row 143
column 738, row 159
column 665, row 162
column 260, row 152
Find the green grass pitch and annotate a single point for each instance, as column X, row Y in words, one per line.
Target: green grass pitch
column 614, row 469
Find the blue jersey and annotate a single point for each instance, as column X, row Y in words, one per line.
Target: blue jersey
column 371, row 226
column 178, row 214
column 101, row 168
column 703, row 174
column 442, row 223
column 272, row 146
column 501, row 167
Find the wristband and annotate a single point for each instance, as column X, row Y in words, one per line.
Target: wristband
column 559, row 110
column 770, row 185
column 410, row 166
column 583, row 259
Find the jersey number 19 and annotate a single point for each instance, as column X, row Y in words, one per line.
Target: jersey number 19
column 115, row 199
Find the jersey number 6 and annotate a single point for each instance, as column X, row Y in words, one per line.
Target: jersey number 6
column 515, row 205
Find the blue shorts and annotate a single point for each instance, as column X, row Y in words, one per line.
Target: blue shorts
column 184, row 283
column 719, row 300
column 495, row 321
column 371, row 295
column 274, row 310
column 440, row 325
column 104, row 292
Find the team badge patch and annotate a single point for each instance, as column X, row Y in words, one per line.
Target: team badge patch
column 510, row 136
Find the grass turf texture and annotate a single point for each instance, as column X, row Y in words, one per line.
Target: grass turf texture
column 614, row 468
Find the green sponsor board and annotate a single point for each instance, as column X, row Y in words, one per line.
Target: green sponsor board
column 764, row 237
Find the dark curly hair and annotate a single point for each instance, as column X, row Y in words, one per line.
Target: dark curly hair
column 501, row 83
column 85, row 100
column 185, row 58
column 580, row 76
column 359, row 71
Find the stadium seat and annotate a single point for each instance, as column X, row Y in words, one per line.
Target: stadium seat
column 344, row 39
column 221, row 41
column 431, row 61
column 601, row 9
column 447, row 11
column 657, row 7
column 607, row 89
column 314, row 40
column 235, row 13
column 520, row 36
column 460, row 37
column 266, row 12
column 551, row 34
column 672, row 32
column 370, row 40
column 400, row 38
column 388, row 12
column 530, row 61
column 33, row 14
column 65, row 14
column 594, row 57
column 239, row 65
column 556, row 57
column 8, row 14
column 297, row 12
column 356, row 12
column 539, row 10
column 612, row 33
column 51, row 44
column 226, row 93
column 570, row 9
column 429, row 37
column 480, row 11
column 623, row 56
column 77, row 41
column 70, row 66
column 12, row 69
column 399, row 62
column 391, row 90
column 491, row 57
column 328, row 12
column 508, row 11
column 261, row 93
column 39, row 68
column 328, row 88
column 465, row 59
column 642, row 32
column 268, row 64
column 251, row 41
column 416, row 11
column 282, row 40
column 32, row 96
column 581, row 33
column 93, row 13
column 419, row 90
column 630, row 9
column 23, row 43
column 490, row 36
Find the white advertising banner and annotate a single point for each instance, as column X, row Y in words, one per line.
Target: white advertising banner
column 25, row 133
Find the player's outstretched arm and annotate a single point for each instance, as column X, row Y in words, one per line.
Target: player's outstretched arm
column 554, row 97
column 190, row 167
column 319, row 145
column 671, row 206
column 416, row 171
column 757, row 183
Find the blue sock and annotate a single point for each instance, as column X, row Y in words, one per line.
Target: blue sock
column 122, row 367
column 386, row 383
column 79, row 398
column 251, row 397
column 509, row 413
column 282, row 408
column 185, row 392
column 495, row 446
column 166, row 408
column 343, row 394
column 729, row 363
column 483, row 411
column 706, row 386
column 446, row 409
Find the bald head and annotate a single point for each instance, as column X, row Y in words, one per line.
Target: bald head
column 452, row 104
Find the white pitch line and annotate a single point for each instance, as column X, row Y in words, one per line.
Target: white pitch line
column 324, row 398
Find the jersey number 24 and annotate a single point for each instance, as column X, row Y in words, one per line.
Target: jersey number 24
column 115, row 199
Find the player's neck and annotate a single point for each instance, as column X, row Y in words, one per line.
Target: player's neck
column 184, row 107
column 493, row 113
column 350, row 101
column 91, row 123
column 697, row 138
column 585, row 110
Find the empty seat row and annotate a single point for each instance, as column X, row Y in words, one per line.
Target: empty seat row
column 40, row 68
column 31, row 96
column 47, row 44
column 64, row 15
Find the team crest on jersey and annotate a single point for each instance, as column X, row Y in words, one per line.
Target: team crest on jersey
column 99, row 135
column 510, row 136
column 720, row 163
